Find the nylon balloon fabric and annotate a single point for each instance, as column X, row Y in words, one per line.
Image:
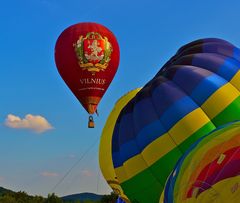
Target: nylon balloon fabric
column 87, row 57
column 209, row 170
column 105, row 147
column 196, row 91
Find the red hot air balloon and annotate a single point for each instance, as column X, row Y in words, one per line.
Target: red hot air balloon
column 87, row 58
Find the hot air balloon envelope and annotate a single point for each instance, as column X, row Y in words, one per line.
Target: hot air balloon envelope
column 87, row 58
column 196, row 90
column 209, row 170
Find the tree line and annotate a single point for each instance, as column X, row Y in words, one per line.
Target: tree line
column 23, row 197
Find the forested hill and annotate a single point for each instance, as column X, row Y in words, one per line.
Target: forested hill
column 83, row 196
column 4, row 191
column 9, row 196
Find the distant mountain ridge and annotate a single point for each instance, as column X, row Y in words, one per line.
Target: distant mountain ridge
column 82, row 197
column 4, row 191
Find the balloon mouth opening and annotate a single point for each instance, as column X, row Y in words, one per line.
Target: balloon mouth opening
column 91, row 108
column 90, row 103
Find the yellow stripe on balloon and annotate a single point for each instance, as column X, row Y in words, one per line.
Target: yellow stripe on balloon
column 182, row 130
column 148, row 157
column 162, row 145
column 121, row 174
column 188, row 125
column 130, row 168
column 161, row 200
column 236, row 80
column 224, row 191
column 219, row 100
column 134, row 165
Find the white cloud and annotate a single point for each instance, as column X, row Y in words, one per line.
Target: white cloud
column 33, row 122
column 87, row 173
column 49, row 174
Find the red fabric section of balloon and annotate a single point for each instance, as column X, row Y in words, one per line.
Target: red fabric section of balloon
column 215, row 171
column 87, row 58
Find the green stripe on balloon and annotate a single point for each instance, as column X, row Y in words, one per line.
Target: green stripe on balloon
column 145, row 179
column 228, row 114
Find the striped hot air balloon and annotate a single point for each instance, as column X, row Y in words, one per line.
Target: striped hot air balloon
column 209, row 171
column 105, row 147
column 196, row 90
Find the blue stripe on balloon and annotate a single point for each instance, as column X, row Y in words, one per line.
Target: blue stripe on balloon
column 208, row 61
column 236, row 53
column 171, row 93
column 116, row 159
column 177, row 111
column 150, row 133
column 128, row 150
column 223, row 66
column 202, row 42
column 188, row 77
column 135, row 146
column 171, row 182
column 206, row 88
column 169, row 190
column 217, row 40
column 143, row 114
column 115, row 143
column 229, row 69
column 126, row 128
column 219, row 48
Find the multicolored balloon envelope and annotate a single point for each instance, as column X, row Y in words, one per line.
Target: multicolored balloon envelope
column 209, row 171
column 196, row 90
column 87, row 58
column 105, row 147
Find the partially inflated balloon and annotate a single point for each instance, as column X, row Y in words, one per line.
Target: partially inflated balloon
column 197, row 90
column 209, row 171
column 87, row 58
column 105, row 147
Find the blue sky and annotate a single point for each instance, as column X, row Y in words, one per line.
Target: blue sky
column 148, row 32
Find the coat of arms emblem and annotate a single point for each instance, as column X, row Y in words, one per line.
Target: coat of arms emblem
column 93, row 52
